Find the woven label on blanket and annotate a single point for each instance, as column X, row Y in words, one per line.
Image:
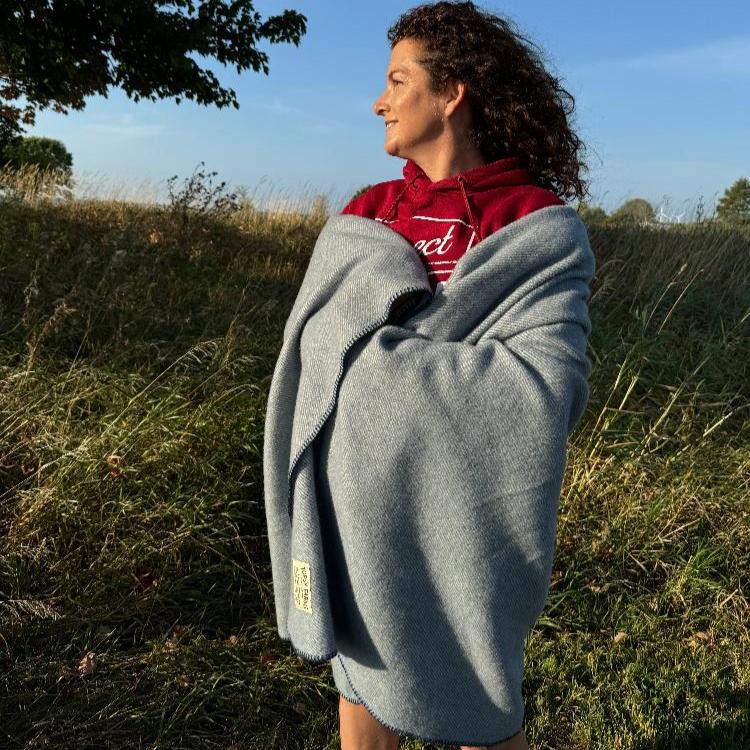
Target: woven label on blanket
column 301, row 579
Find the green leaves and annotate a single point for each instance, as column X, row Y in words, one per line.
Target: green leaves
column 59, row 54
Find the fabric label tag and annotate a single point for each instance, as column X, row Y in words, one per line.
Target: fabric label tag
column 301, row 580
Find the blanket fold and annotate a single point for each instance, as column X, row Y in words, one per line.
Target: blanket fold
column 414, row 452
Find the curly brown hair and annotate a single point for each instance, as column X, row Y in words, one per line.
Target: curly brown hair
column 518, row 108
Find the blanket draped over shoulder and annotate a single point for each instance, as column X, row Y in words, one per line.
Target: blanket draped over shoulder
column 414, row 453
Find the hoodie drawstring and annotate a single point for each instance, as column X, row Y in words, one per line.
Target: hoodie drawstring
column 398, row 198
column 461, row 182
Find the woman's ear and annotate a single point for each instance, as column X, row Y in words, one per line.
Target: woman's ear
column 456, row 94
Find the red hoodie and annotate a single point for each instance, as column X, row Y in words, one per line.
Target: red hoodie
column 444, row 219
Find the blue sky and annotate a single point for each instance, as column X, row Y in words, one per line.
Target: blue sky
column 661, row 94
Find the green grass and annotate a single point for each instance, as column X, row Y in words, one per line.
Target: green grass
column 135, row 356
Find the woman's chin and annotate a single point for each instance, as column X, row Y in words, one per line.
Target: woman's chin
column 391, row 148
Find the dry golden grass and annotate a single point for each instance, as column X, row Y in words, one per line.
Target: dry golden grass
column 136, row 609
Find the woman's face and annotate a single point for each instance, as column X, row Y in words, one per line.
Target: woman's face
column 417, row 113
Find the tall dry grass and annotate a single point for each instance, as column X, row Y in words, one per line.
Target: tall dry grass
column 136, row 607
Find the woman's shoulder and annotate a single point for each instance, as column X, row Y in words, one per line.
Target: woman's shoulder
column 534, row 197
column 371, row 201
column 514, row 203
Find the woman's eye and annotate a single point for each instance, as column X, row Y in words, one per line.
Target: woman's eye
column 395, row 81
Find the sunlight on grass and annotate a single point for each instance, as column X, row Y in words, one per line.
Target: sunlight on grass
column 136, row 350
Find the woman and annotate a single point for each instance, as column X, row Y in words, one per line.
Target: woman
column 486, row 141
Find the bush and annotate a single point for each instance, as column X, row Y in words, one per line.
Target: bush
column 200, row 197
column 359, row 192
column 591, row 215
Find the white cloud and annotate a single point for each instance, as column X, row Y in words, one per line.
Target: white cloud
column 309, row 122
column 723, row 57
column 124, row 126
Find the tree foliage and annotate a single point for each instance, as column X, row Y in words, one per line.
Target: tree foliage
column 734, row 205
column 591, row 214
column 634, row 211
column 46, row 153
column 56, row 54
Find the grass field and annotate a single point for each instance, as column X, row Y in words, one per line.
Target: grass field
column 136, row 608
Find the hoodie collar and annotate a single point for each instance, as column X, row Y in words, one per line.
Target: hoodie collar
column 508, row 171
column 498, row 173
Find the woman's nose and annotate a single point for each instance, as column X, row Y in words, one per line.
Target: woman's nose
column 378, row 107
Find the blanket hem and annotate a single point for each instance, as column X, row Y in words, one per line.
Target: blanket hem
column 424, row 738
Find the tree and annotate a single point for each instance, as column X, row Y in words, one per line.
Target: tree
column 46, row 153
column 591, row 214
column 55, row 54
column 734, row 205
column 634, row 211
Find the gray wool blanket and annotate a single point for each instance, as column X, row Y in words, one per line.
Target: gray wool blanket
column 414, row 453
